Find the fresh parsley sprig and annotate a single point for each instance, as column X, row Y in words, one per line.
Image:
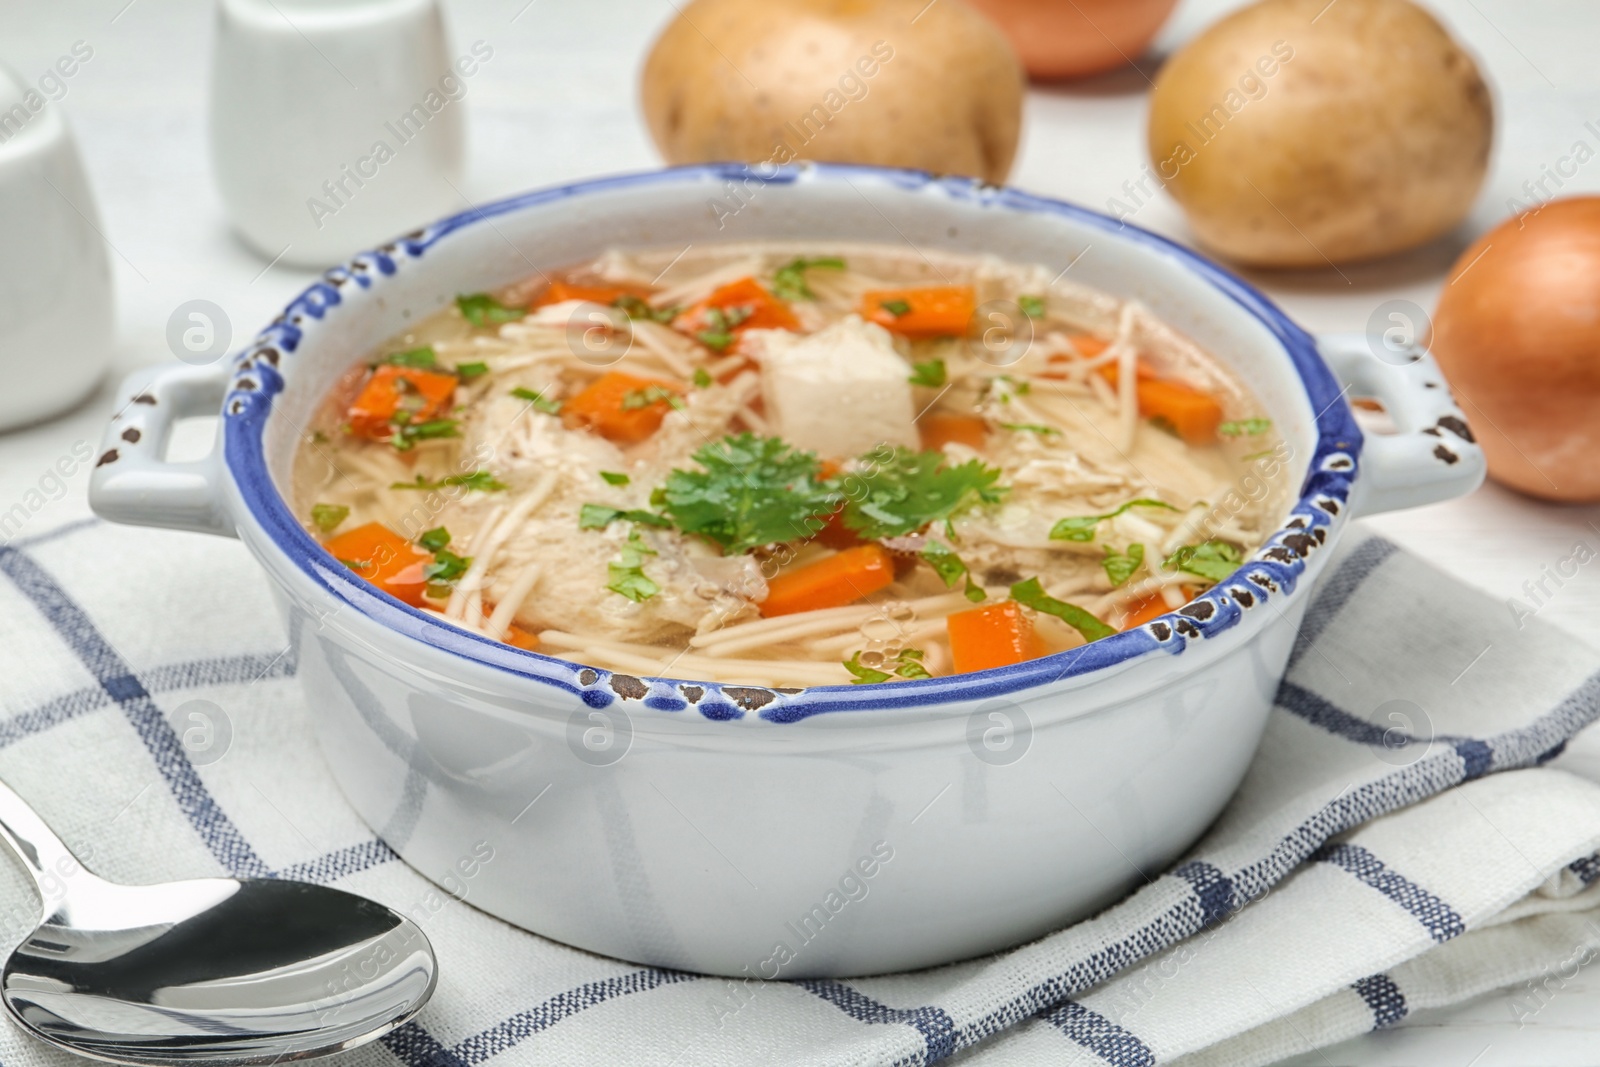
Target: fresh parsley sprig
column 481, row 309
column 899, row 491
column 1214, row 560
column 749, row 491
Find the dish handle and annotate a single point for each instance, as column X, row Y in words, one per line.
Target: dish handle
column 1432, row 455
column 133, row 481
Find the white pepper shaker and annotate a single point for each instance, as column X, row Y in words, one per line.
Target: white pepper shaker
column 57, row 315
column 336, row 124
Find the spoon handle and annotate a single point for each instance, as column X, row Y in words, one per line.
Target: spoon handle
column 35, row 844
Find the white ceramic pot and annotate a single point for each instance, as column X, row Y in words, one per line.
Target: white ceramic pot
column 56, row 305
column 336, row 123
column 743, row 830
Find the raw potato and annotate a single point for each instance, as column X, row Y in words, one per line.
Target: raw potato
column 1077, row 39
column 843, row 80
column 1296, row 144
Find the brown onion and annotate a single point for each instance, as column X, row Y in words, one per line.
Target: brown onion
column 1075, row 38
column 1517, row 332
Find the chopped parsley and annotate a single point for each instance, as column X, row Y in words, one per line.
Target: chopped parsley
column 1081, row 527
column 902, row 491
column 1245, row 427
column 424, row 358
column 1032, row 306
column 703, row 379
column 627, row 571
column 1208, row 559
column 327, row 517
column 908, row 664
column 548, row 407
column 1031, row 594
column 407, row 433
column 1028, row 427
column 951, row 568
column 896, row 308
column 720, row 324
column 1119, row 566
column 615, row 478
column 481, row 309
column 789, row 282
column 635, row 308
column 435, row 539
column 1007, row 387
column 599, row 516
column 752, row 491
column 635, row 399
column 468, row 371
column 932, row 374
column 477, row 481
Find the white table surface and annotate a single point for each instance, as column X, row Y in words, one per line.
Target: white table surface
column 558, row 103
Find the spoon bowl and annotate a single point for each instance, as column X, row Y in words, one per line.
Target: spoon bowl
column 208, row 971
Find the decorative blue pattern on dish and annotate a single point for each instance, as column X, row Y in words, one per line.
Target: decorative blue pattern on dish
column 1274, row 570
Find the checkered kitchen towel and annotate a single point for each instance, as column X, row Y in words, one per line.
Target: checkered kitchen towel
column 1397, row 845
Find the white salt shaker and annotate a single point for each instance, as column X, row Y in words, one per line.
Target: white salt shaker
column 336, row 125
column 56, row 308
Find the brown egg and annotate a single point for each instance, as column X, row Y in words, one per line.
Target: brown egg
column 1075, row 38
column 1517, row 332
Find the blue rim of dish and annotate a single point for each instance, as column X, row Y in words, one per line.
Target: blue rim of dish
column 1273, row 570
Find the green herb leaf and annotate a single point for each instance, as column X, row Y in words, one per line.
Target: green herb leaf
column 903, row 491
column 908, row 664
column 477, row 481
column 1032, row 306
column 1214, row 560
column 435, row 539
column 789, row 282
column 1245, row 428
column 717, row 340
column 1119, row 566
column 599, row 516
column 1031, row 594
column 932, row 374
column 481, row 309
column 635, row 308
column 627, row 572
column 752, row 491
column 1028, row 427
column 549, row 407
column 615, row 478
column 407, row 433
column 446, row 567
column 703, row 379
column 1009, row 386
column 424, row 358
column 1081, row 527
column 864, row 675
column 951, row 568
column 327, row 517
column 468, row 371
column 634, row 399
column 896, row 308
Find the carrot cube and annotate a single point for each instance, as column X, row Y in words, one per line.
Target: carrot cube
column 424, row 394
column 745, row 300
column 621, row 407
column 385, row 559
column 840, row 579
column 996, row 635
column 920, row 313
column 939, row 429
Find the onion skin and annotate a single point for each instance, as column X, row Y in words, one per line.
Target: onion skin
column 1517, row 333
column 1057, row 39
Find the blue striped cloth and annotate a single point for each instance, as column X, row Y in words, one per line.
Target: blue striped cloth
column 1398, row 843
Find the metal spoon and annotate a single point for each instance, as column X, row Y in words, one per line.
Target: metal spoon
column 212, row 971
